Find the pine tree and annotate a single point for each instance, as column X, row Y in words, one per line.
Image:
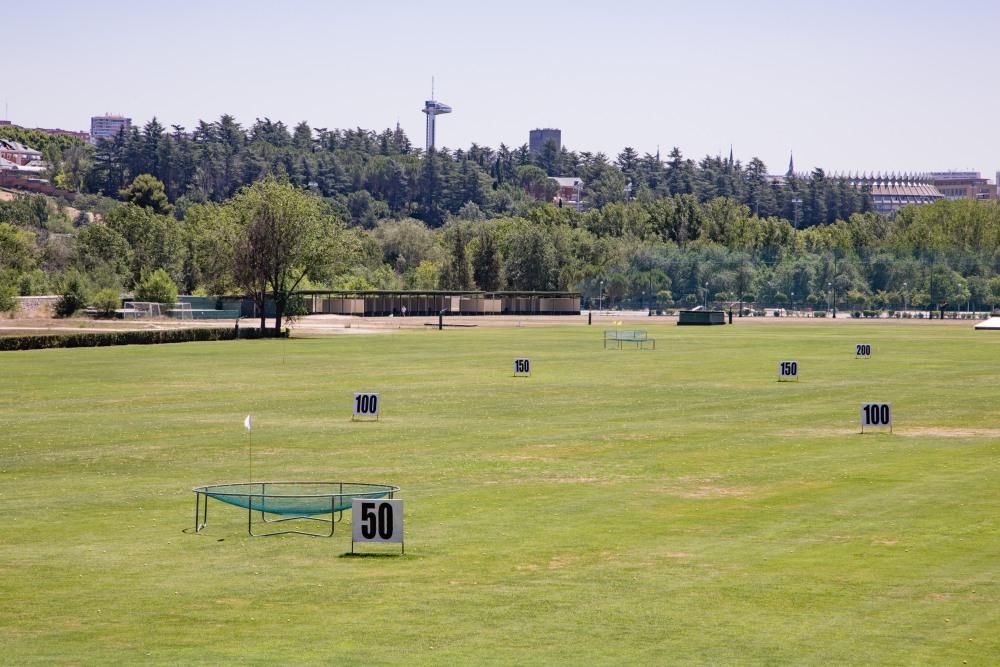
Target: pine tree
column 456, row 274
column 487, row 265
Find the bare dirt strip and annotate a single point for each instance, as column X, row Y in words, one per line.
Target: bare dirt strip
column 331, row 325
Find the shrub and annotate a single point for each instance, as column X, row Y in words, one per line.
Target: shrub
column 819, row 313
column 106, row 301
column 144, row 337
column 33, row 283
column 8, row 299
column 156, row 287
column 74, row 295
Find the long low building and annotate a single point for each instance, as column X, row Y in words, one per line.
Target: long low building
column 381, row 303
column 892, row 192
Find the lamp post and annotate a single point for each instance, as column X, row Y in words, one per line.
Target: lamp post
column 600, row 300
column 905, row 294
column 792, row 296
column 706, row 296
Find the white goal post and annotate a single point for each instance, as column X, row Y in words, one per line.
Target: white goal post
column 146, row 310
column 182, row 311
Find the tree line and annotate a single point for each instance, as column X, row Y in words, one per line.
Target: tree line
column 654, row 233
column 369, row 176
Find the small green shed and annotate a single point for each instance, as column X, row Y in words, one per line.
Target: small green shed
column 701, row 317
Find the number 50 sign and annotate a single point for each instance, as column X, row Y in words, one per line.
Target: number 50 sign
column 377, row 520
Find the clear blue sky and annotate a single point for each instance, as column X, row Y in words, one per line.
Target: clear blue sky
column 895, row 85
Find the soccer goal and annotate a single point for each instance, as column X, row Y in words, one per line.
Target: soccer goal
column 182, row 311
column 146, row 310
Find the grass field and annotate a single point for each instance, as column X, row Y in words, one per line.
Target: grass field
column 668, row 506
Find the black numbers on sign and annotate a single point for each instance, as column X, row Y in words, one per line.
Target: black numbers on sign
column 385, row 521
column 522, row 365
column 790, row 368
column 370, row 520
column 366, row 404
column 379, row 523
column 863, row 350
column 877, row 414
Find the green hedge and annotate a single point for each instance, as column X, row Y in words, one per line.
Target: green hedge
column 125, row 338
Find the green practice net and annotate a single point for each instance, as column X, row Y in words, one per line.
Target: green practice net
column 295, row 498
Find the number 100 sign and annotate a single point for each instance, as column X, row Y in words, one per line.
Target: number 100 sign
column 365, row 405
column 376, row 520
column 876, row 414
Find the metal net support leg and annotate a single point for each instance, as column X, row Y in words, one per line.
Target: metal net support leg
column 200, row 512
column 332, row 521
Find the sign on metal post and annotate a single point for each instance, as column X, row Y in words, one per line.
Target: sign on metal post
column 876, row 414
column 522, row 368
column 377, row 520
column 365, row 405
column 788, row 370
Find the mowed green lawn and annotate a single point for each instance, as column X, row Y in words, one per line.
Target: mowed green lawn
column 617, row 507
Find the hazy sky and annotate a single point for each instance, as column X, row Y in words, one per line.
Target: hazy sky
column 848, row 85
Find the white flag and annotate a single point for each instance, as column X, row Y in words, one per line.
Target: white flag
column 248, row 423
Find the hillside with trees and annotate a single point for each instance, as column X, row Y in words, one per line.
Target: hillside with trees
column 654, row 232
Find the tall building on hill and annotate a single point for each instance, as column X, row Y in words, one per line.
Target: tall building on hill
column 963, row 185
column 540, row 137
column 107, row 126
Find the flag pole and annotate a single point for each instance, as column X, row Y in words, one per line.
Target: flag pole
column 248, row 425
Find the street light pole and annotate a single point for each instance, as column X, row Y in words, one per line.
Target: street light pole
column 600, row 300
column 795, row 204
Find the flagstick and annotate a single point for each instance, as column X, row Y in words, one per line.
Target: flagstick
column 250, row 450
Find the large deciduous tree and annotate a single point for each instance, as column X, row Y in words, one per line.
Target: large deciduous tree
column 531, row 261
column 280, row 236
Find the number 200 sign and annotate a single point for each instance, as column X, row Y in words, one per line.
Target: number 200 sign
column 876, row 414
column 377, row 520
column 365, row 405
column 788, row 370
column 522, row 367
column 863, row 351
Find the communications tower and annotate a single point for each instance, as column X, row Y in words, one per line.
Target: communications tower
column 433, row 108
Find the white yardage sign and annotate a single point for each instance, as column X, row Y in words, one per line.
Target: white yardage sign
column 376, row 520
column 863, row 351
column 522, row 367
column 788, row 370
column 366, row 405
column 876, row 414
